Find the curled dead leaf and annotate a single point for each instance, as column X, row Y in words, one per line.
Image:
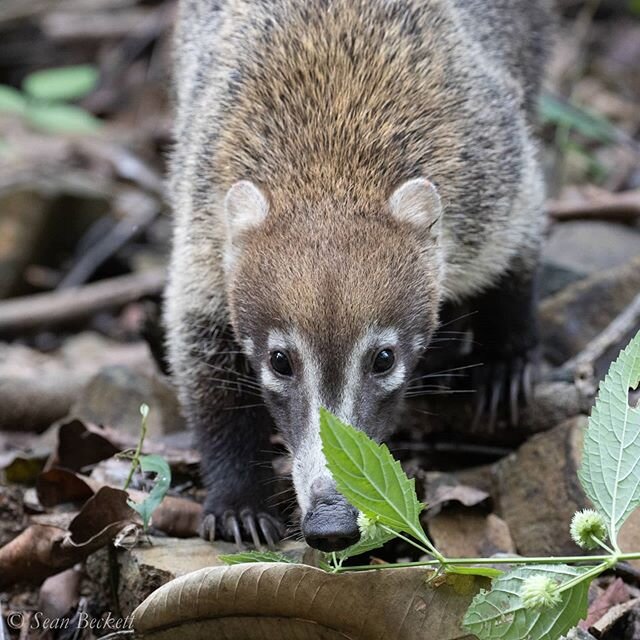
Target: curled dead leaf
column 44, row 550
column 177, row 517
column 287, row 601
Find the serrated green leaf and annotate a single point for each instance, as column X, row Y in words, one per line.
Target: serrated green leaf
column 367, row 475
column 11, row 100
column 500, row 614
column 610, row 469
column 567, row 115
column 158, row 465
column 61, row 118
column 61, row 83
column 255, row 556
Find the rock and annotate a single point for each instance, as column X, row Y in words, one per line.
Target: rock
column 145, row 568
column 585, row 247
column 554, row 278
column 22, row 217
column 576, row 315
column 539, row 490
column 37, row 389
column 460, row 532
column 114, row 395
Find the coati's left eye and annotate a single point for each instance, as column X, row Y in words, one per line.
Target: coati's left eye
column 383, row 361
column 280, row 363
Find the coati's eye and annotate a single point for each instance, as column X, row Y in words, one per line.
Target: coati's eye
column 383, row 361
column 280, row 363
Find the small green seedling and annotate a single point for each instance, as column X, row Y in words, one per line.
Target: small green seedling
column 148, row 464
column 536, row 598
column 45, row 96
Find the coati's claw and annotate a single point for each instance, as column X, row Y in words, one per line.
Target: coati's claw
column 232, row 528
column 207, row 529
column 246, row 525
column 503, row 388
column 249, row 524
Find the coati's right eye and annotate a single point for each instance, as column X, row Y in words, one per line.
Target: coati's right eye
column 280, row 363
column 384, row 361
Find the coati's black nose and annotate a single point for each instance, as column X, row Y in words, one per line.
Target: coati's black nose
column 331, row 525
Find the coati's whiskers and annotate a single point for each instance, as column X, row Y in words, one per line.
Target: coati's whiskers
column 462, row 317
column 444, row 392
column 447, row 372
column 245, row 406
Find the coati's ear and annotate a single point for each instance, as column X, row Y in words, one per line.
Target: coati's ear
column 245, row 208
column 416, row 202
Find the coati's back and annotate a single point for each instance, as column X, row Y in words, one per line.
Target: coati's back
column 337, row 96
column 342, row 167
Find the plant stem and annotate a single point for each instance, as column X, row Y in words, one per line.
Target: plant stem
column 135, row 461
column 602, row 544
column 420, row 535
column 407, row 540
column 516, row 561
column 587, row 575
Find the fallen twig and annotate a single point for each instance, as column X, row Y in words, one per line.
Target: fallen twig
column 59, row 307
column 124, row 231
column 624, row 206
column 583, row 364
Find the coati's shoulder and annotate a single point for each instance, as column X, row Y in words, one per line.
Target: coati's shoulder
column 516, row 33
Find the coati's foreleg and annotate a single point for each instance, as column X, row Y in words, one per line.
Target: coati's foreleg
column 505, row 333
column 223, row 403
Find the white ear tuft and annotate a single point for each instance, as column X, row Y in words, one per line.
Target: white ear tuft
column 245, row 208
column 416, row 202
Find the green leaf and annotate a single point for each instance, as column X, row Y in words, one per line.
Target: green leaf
column 11, row 100
column 610, row 470
column 255, row 556
column 499, row 613
column 567, row 115
column 61, row 118
column 368, row 477
column 159, row 466
column 62, row 83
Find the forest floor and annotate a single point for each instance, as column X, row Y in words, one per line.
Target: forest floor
column 84, row 238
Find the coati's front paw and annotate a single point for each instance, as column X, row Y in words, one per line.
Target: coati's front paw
column 503, row 386
column 247, row 523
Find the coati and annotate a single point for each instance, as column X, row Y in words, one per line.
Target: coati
column 342, row 169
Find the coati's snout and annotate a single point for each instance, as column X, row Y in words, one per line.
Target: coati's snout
column 331, row 523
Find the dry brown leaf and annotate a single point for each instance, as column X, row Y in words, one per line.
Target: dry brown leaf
column 44, row 550
column 442, row 488
column 57, row 486
column 177, row 517
column 289, row 601
column 616, row 593
column 82, row 445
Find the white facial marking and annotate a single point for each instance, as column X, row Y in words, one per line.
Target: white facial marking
column 248, row 346
column 371, row 340
column 309, row 463
column 276, row 340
